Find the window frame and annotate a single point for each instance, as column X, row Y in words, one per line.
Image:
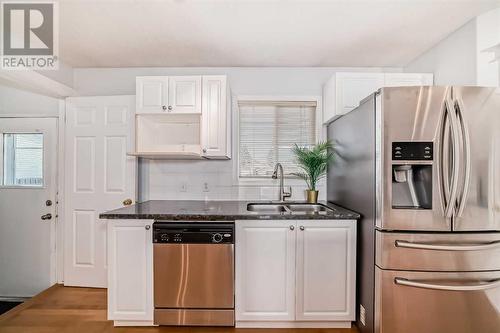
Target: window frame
column 31, row 187
column 319, row 128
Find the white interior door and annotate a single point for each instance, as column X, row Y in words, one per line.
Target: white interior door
column 99, row 176
column 28, row 176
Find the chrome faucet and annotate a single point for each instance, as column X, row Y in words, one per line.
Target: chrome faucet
column 283, row 193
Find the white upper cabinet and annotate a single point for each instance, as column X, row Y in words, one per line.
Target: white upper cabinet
column 168, row 94
column 326, row 267
column 343, row 91
column 351, row 88
column 184, row 94
column 183, row 117
column 408, row 79
column 151, row 94
column 215, row 118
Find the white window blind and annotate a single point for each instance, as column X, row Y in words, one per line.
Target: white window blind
column 22, row 159
column 268, row 131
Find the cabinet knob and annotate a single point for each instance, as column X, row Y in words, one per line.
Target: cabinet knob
column 147, row 227
column 292, row 227
column 46, row 217
column 301, row 228
column 204, row 150
column 127, row 202
column 170, row 108
column 164, row 108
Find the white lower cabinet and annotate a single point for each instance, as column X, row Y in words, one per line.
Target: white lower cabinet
column 326, row 270
column 130, row 272
column 265, row 270
column 295, row 273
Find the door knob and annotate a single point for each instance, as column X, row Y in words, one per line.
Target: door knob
column 127, row 202
column 46, row 216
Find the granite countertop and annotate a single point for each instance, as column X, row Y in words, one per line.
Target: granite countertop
column 191, row 210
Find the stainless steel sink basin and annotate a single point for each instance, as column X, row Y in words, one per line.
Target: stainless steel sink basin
column 308, row 208
column 289, row 207
column 266, row 208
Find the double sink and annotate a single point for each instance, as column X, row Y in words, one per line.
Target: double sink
column 288, row 208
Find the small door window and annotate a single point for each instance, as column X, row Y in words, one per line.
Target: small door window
column 22, row 159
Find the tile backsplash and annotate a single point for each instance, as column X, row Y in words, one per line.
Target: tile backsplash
column 207, row 180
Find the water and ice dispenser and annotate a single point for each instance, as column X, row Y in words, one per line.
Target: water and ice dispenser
column 412, row 175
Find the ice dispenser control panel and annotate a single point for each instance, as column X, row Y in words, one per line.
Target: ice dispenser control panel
column 412, row 151
column 412, row 181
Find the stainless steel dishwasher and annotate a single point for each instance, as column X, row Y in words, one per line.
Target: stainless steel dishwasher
column 193, row 273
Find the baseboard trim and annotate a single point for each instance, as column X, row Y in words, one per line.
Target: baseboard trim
column 118, row 323
column 293, row 324
column 13, row 299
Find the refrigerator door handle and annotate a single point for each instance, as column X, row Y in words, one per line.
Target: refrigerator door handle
column 444, row 159
column 455, row 161
column 483, row 285
column 466, row 144
column 448, row 247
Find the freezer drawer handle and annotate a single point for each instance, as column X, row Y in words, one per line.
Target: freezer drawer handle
column 448, row 247
column 482, row 286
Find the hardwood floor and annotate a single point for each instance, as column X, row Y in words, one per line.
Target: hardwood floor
column 74, row 310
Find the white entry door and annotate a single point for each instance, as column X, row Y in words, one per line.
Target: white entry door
column 28, row 175
column 99, row 176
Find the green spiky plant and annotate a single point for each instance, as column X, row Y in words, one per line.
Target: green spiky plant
column 313, row 162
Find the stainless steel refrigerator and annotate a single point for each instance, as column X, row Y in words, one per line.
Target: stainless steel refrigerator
column 422, row 166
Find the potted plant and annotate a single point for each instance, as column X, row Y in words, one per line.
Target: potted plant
column 314, row 162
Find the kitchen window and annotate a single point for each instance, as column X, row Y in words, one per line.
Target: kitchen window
column 268, row 131
column 22, row 159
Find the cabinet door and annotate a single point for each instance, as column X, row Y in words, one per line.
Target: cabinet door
column 326, row 270
column 265, row 270
column 214, row 117
column 351, row 88
column 130, row 273
column 329, row 100
column 151, row 94
column 408, row 79
column 184, row 94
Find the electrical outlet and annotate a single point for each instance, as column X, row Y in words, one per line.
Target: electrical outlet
column 205, row 187
column 184, row 187
column 362, row 315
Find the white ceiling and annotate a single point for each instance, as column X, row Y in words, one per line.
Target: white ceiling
column 145, row 33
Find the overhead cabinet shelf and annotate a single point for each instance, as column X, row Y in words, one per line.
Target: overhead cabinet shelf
column 182, row 117
column 168, row 156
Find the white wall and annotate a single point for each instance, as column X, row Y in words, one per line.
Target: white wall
column 488, row 36
column 62, row 75
column 461, row 58
column 243, row 80
column 19, row 102
column 453, row 60
column 163, row 179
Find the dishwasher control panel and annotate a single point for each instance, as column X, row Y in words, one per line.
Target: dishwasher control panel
column 193, row 233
